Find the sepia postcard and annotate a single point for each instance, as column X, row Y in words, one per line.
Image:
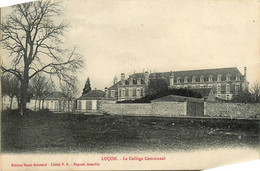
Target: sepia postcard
column 129, row 84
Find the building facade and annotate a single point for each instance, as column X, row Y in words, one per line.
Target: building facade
column 55, row 102
column 90, row 102
column 224, row 82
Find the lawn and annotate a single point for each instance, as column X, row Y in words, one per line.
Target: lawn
column 49, row 133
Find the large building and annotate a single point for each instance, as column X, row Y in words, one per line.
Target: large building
column 224, row 82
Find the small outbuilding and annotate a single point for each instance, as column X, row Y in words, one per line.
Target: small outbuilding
column 91, row 101
column 174, row 105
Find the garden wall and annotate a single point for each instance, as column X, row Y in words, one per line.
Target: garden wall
column 233, row 110
column 127, row 109
column 169, row 108
column 162, row 109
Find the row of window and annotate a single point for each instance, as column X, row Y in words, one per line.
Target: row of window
column 210, row 79
column 135, row 92
column 237, row 87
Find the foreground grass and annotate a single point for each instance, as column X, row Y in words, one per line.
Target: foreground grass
column 48, row 132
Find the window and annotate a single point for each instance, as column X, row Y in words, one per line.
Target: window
column 228, row 88
column 186, row 79
column 237, row 87
column 123, row 92
column 178, row 87
column 228, row 97
column 193, row 86
column 47, row 104
column 219, row 78
column 56, row 105
column 185, row 86
column 130, row 92
column 112, row 93
column 218, row 88
column 228, row 77
column 202, row 79
column 138, row 93
column 193, row 79
column 178, row 79
column 126, row 92
column 211, row 78
column 134, row 92
column 237, row 77
column 201, row 86
column 210, row 86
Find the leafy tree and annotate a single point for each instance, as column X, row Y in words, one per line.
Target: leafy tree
column 33, row 37
column 242, row 96
column 87, row 87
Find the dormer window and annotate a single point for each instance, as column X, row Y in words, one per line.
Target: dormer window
column 178, row 79
column 202, row 79
column 186, row 79
column 237, row 77
column 194, row 79
column 211, row 78
column 228, row 77
column 219, row 78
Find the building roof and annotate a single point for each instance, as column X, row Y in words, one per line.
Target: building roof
column 55, row 96
column 204, row 92
column 175, row 98
column 93, row 95
column 232, row 71
column 114, row 87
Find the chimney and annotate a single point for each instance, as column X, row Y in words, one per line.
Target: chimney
column 146, row 77
column 123, row 79
column 171, row 79
column 245, row 72
column 115, row 80
column 106, row 91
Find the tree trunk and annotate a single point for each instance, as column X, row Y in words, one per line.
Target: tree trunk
column 24, row 88
column 68, row 105
column 42, row 103
column 11, row 102
column 35, row 104
column 39, row 103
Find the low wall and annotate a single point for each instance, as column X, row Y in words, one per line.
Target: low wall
column 127, row 109
column 162, row 109
column 233, row 110
column 169, row 108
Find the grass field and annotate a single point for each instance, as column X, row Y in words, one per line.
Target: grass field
column 48, row 132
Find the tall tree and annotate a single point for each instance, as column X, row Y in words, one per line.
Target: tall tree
column 32, row 34
column 87, row 87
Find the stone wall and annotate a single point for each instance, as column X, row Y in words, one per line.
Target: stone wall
column 169, row 108
column 127, row 109
column 161, row 109
column 233, row 110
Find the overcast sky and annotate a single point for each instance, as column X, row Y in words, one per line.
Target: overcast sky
column 116, row 36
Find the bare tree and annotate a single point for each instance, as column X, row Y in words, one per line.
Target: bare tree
column 255, row 90
column 69, row 90
column 40, row 88
column 33, row 39
column 10, row 86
